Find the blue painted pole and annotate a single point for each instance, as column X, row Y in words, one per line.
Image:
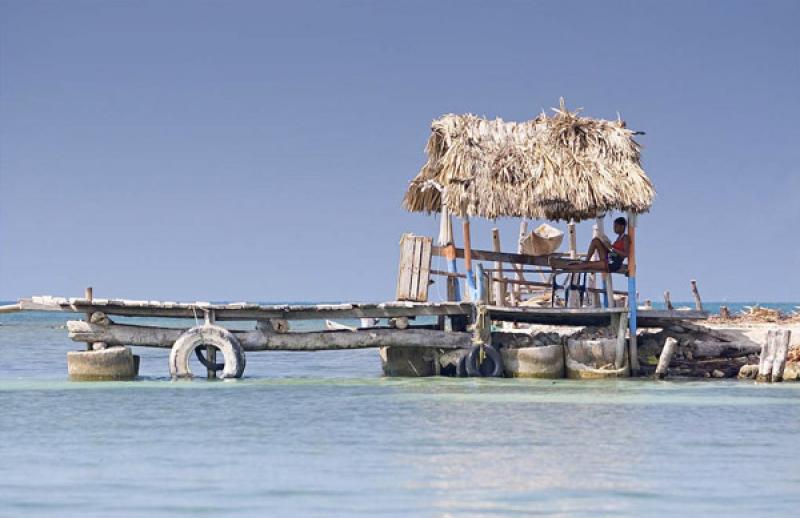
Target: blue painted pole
column 632, row 302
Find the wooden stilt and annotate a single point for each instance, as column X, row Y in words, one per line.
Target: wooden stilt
column 573, row 299
column 446, row 240
column 468, row 260
column 498, row 282
column 89, row 295
column 634, row 350
column 523, row 232
column 211, row 351
column 622, row 328
column 595, row 297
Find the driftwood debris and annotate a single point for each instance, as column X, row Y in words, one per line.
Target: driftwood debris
column 666, row 356
column 772, row 360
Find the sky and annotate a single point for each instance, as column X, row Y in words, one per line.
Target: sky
column 237, row 150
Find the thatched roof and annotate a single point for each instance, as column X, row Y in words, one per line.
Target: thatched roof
column 556, row 168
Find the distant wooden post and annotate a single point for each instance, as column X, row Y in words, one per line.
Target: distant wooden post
column 632, row 292
column 498, row 282
column 698, row 304
column 667, row 301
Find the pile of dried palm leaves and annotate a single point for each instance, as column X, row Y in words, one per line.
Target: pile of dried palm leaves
column 560, row 167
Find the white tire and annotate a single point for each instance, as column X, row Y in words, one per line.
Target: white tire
column 200, row 336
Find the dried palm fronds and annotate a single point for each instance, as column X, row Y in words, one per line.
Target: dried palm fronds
column 559, row 167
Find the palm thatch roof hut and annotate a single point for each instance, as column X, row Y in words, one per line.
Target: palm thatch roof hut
column 558, row 168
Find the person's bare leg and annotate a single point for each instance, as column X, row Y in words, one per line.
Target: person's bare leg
column 595, row 266
column 599, row 246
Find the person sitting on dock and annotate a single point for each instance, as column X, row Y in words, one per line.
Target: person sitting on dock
column 612, row 255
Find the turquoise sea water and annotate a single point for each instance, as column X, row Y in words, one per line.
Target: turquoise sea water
column 324, row 434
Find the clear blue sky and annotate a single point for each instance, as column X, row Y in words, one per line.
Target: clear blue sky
column 259, row 151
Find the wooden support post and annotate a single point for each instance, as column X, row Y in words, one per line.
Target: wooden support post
column 593, row 276
column 698, row 304
column 666, row 355
column 448, row 243
column 608, row 285
column 468, row 260
column 88, row 294
column 634, row 350
column 482, row 281
column 498, row 280
column 574, row 300
column 773, row 355
column 622, row 328
column 211, row 351
column 667, row 301
column 781, row 348
column 523, row 232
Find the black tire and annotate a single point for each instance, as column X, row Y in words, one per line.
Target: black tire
column 492, row 366
column 207, row 364
column 461, row 366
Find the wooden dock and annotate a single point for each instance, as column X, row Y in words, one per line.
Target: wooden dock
column 432, row 326
column 245, row 311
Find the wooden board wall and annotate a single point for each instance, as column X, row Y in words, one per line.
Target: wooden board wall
column 415, row 268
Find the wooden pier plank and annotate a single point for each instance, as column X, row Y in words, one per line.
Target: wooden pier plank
column 394, row 309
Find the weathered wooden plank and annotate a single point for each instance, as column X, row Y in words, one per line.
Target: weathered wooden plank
column 406, row 263
column 555, row 316
column 506, row 257
column 258, row 340
column 413, row 289
column 425, row 269
column 263, row 312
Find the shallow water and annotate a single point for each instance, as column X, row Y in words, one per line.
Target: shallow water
column 323, row 433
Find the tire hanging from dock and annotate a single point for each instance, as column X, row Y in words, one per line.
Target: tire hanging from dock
column 200, row 336
column 491, row 367
column 216, row 367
